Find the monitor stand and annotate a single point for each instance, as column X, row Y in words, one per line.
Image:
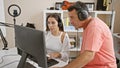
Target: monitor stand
column 28, row 65
column 23, row 63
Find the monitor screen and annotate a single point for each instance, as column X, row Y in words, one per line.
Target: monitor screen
column 32, row 44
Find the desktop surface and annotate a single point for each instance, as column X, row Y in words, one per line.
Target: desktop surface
column 11, row 60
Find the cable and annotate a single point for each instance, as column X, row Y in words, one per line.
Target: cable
column 2, row 58
column 9, row 63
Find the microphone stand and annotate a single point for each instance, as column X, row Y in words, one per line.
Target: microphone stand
column 14, row 20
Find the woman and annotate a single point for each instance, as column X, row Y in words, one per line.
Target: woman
column 57, row 41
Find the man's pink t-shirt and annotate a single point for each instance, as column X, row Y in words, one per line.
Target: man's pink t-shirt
column 98, row 38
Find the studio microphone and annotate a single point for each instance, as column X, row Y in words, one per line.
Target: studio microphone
column 16, row 11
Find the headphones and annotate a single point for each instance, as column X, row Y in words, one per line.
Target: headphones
column 60, row 24
column 81, row 11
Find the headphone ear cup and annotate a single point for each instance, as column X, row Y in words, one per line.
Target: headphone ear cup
column 60, row 24
column 82, row 15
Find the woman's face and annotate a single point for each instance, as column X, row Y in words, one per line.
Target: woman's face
column 52, row 24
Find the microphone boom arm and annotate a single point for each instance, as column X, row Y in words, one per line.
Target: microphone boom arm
column 2, row 36
column 3, row 40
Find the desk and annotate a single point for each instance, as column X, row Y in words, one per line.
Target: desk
column 60, row 64
column 10, row 59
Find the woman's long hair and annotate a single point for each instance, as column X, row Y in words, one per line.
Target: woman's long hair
column 57, row 18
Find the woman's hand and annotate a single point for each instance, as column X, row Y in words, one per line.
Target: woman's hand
column 55, row 55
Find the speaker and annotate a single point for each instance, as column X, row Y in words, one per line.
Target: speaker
column 82, row 10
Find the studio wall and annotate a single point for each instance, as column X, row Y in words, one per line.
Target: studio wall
column 32, row 12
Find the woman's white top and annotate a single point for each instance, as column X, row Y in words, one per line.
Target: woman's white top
column 54, row 44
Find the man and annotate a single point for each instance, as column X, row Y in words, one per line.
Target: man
column 97, row 45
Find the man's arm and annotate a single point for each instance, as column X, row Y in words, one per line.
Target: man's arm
column 81, row 60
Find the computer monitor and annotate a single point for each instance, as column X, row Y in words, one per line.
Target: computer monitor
column 32, row 44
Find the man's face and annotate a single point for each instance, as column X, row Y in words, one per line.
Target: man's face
column 74, row 19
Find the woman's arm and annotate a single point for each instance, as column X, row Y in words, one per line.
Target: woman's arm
column 65, row 49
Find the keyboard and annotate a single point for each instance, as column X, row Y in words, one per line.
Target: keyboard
column 51, row 62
